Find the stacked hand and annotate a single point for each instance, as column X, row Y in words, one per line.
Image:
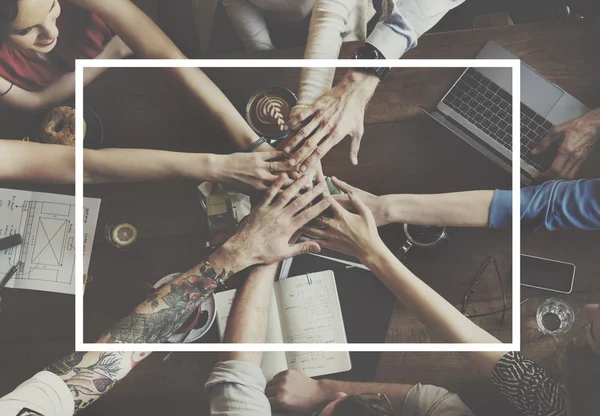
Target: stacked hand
column 251, row 171
column 352, row 234
column 375, row 203
column 267, row 234
column 575, row 139
column 326, row 122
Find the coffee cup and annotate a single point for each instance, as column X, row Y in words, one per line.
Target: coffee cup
column 426, row 237
column 268, row 110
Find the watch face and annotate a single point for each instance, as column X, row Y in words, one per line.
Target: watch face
column 367, row 53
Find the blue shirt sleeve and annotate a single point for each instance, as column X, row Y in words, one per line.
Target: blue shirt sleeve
column 553, row 205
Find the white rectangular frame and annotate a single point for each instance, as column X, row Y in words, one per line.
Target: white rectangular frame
column 514, row 64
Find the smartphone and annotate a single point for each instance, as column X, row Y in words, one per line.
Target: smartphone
column 547, row 274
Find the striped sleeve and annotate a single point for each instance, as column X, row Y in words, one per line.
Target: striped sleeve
column 527, row 386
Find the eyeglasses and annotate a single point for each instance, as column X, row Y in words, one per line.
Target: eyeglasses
column 482, row 268
column 377, row 401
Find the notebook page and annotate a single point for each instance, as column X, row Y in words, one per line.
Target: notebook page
column 273, row 362
column 309, row 311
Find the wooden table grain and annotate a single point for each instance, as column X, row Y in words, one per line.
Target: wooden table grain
column 402, row 151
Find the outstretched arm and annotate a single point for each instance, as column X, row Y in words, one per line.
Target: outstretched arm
column 553, row 205
column 294, row 392
column 356, row 235
column 89, row 375
column 457, row 209
column 148, row 41
column 35, row 162
column 63, row 88
column 238, row 373
column 248, row 319
column 328, row 25
column 262, row 239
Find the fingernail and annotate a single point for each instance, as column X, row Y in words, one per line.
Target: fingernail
column 302, row 168
column 315, row 249
column 355, row 161
column 287, row 149
column 292, row 162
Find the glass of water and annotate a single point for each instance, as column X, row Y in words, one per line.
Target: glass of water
column 555, row 316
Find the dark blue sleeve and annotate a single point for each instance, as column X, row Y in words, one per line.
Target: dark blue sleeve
column 554, row 205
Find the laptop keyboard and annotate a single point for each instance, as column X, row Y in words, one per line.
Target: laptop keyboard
column 489, row 107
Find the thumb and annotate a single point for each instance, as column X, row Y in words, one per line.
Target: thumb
column 545, row 143
column 358, row 203
column 303, row 248
column 341, row 185
column 354, row 148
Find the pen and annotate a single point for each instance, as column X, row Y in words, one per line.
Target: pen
column 9, row 275
column 10, row 241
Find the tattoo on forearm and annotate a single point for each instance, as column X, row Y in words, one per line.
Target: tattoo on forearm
column 89, row 381
column 166, row 310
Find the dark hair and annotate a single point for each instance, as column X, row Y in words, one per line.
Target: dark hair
column 356, row 405
column 580, row 373
column 9, row 9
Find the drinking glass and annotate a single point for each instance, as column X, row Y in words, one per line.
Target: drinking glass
column 555, row 316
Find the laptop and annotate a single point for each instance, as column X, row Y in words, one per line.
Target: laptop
column 478, row 109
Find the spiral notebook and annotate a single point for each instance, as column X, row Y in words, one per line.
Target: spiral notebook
column 304, row 309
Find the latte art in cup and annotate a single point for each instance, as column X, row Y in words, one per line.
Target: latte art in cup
column 268, row 110
column 272, row 111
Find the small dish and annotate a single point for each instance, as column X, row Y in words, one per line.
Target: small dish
column 208, row 305
column 94, row 135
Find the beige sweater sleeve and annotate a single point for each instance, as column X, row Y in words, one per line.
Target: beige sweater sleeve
column 332, row 22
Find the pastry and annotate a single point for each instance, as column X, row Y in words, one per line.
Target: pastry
column 58, row 127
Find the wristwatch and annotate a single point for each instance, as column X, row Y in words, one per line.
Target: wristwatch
column 368, row 51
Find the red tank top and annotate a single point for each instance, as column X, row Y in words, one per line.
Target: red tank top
column 82, row 35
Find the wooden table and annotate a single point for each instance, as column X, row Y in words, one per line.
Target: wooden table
column 402, row 151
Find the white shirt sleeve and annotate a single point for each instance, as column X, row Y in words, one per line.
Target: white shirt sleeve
column 44, row 394
column 250, row 23
column 404, row 21
column 331, row 23
column 237, row 388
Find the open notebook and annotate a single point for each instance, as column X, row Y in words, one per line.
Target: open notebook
column 304, row 309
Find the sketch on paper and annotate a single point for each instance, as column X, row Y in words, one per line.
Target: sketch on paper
column 47, row 224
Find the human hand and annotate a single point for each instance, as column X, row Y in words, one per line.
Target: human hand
column 251, row 171
column 266, row 235
column 326, row 122
column 575, row 139
column 294, row 392
column 375, row 203
column 352, row 234
column 315, row 172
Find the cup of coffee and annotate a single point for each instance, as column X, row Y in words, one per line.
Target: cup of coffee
column 423, row 236
column 268, row 110
column 555, row 316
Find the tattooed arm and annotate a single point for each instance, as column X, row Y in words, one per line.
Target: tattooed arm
column 165, row 310
column 89, row 375
column 264, row 238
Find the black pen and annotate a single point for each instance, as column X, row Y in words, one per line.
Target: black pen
column 10, row 241
column 9, row 275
